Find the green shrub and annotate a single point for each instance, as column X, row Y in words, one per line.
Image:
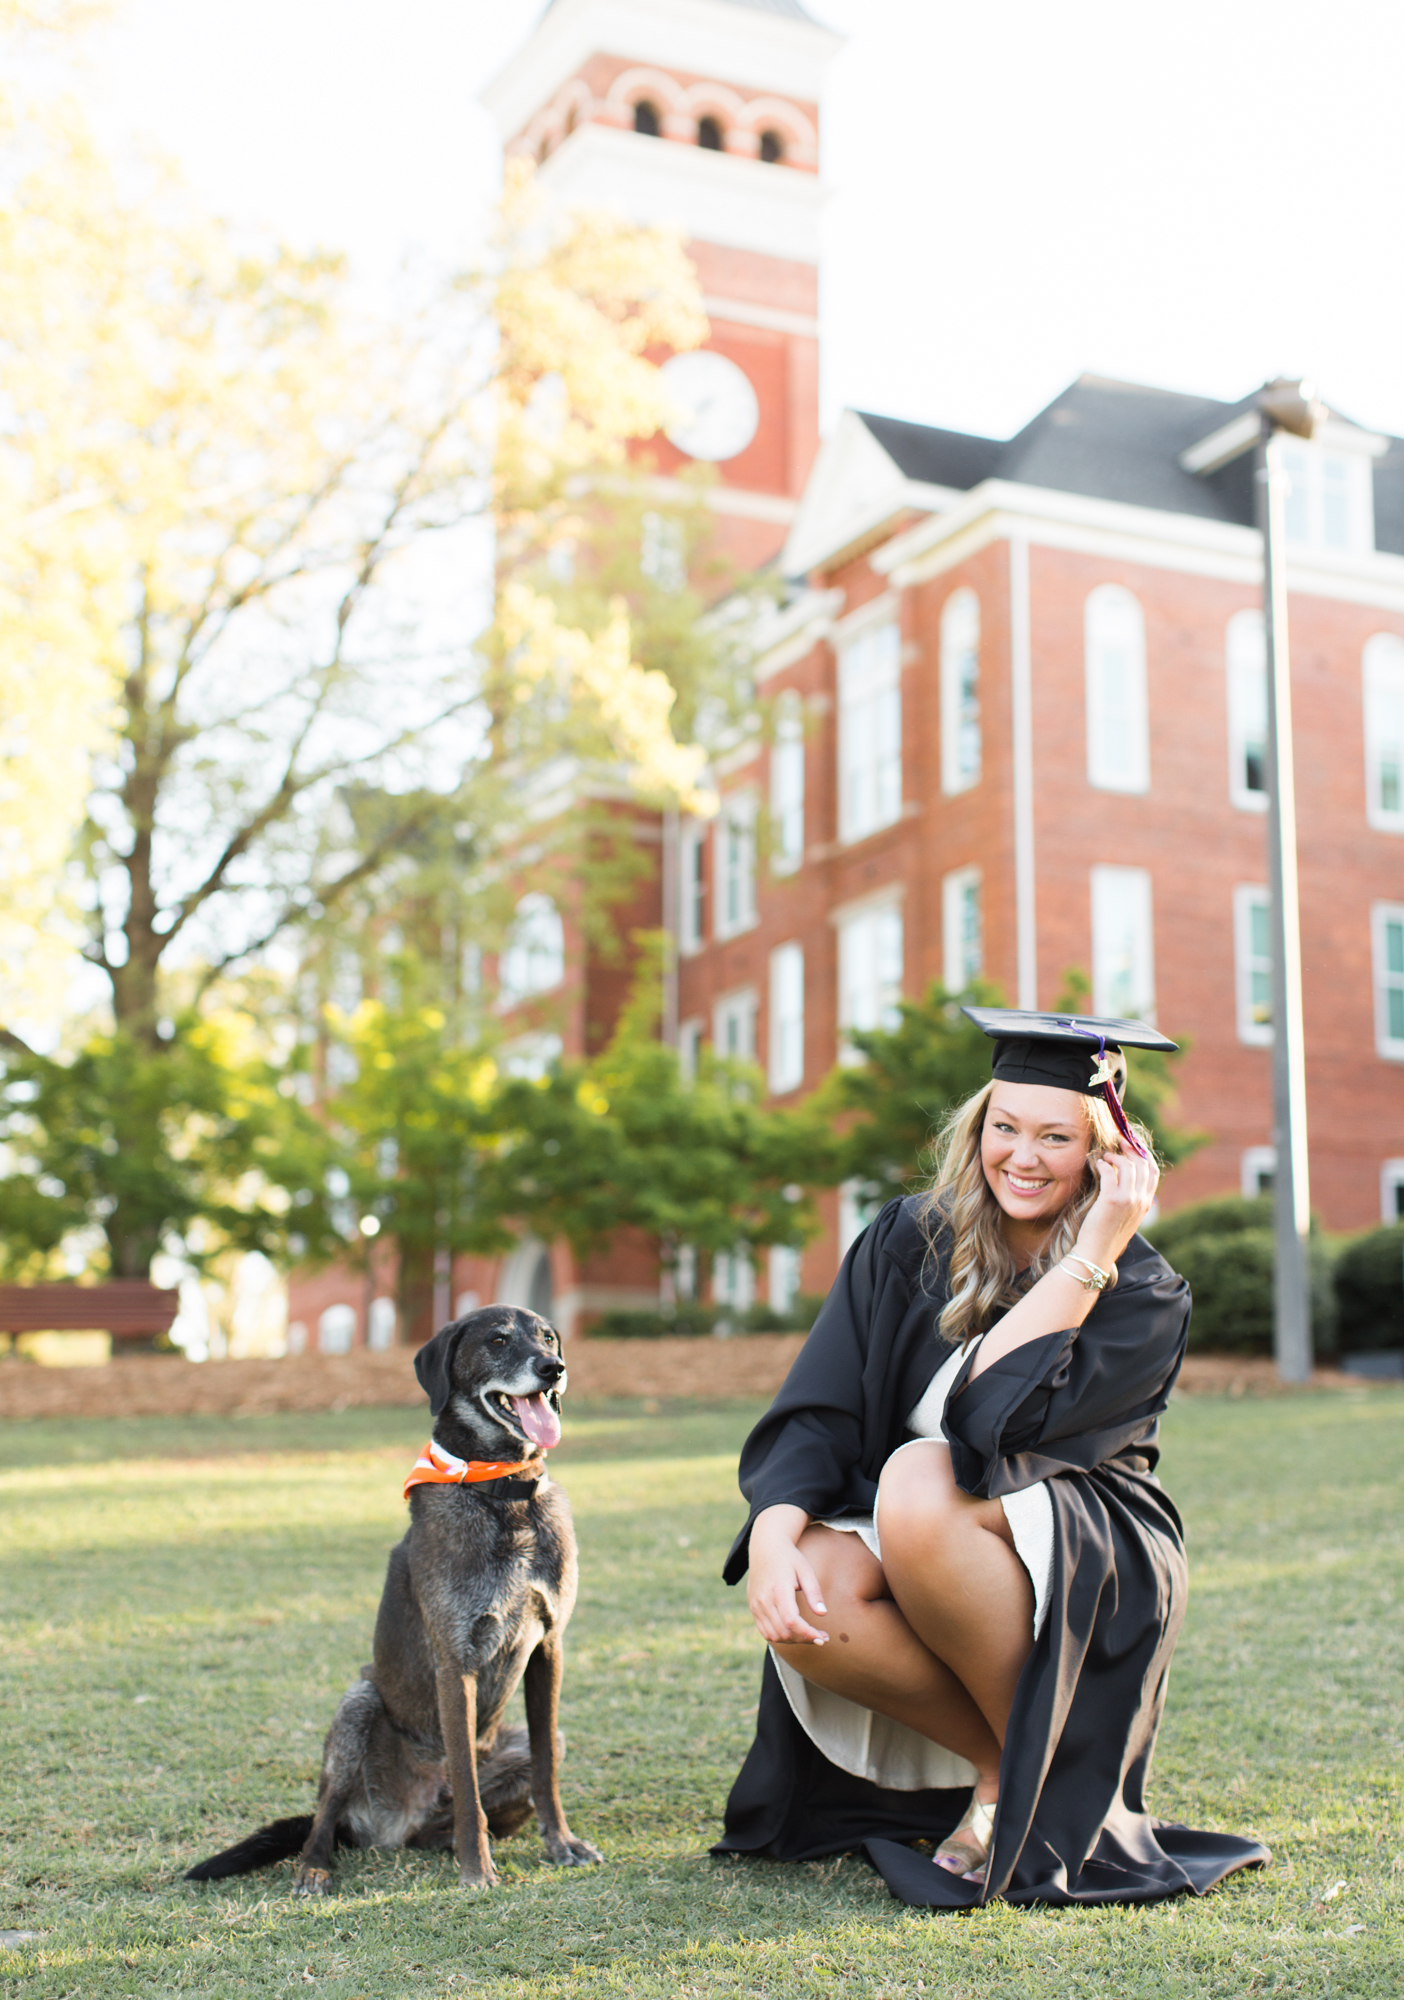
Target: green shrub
column 695, row 1320
column 1370, row 1291
column 667, row 1323
column 1224, row 1250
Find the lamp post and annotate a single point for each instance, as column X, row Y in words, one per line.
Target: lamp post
column 1289, row 406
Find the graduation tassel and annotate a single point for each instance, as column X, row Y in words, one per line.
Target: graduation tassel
column 1102, row 1075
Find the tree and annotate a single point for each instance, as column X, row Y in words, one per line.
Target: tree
column 453, row 1154
column 124, row 1148
column 58, row 671
column 254, row 479
column 232, row 508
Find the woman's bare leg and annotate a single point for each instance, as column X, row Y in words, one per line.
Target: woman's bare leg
column 874, row 1657
column 961, row 1589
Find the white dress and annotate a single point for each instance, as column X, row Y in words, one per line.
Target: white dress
column 873, row 1746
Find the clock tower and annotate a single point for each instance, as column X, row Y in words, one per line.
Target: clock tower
column 703, row 114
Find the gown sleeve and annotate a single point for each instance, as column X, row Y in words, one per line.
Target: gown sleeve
column 806, row 1450
column 1072, row 1400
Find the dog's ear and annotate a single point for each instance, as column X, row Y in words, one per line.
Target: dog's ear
column 434, row 1365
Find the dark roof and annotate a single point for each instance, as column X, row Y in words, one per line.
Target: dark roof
column 1117, row 441
column 938, row 458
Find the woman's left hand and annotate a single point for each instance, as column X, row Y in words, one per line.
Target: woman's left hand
column 1124, row 1200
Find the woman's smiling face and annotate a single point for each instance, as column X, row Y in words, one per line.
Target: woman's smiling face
column 1033, row 1148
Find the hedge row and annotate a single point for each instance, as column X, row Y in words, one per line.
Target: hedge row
column 1225, row 1250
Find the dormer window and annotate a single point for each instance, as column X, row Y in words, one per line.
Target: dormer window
column 772, row 148
column 1330, row 502
column 646, row 119
column 709, row 135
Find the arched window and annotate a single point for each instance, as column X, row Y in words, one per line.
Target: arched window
column 1118, row 747
column 533, row 960
column 960, row 692
column 646, row 119
column 709, row 134
column 1383, row 672
column 772, row 148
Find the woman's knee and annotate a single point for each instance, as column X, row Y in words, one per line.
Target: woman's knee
column 918, row 1499
column 845, row 1566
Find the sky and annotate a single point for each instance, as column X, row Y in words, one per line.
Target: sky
column 1197, row 197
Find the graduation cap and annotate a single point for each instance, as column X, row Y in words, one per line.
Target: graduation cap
column 1067, row 1051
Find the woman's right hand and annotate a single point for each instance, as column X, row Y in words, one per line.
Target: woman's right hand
column 778, row 1573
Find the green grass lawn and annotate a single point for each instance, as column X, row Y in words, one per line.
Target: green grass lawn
column 181, row 1603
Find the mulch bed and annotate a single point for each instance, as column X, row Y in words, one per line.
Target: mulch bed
column 602, row 1370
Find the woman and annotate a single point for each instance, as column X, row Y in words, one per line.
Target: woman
column 969, row 1579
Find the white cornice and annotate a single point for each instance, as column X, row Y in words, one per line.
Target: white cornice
column 710, row 38
column 738, row 501
column 714, row 197
column 794, row 630
column 741, row 312
column 873, row 899
column 997, row 509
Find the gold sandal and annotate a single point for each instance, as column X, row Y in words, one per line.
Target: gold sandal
column 969, row 1844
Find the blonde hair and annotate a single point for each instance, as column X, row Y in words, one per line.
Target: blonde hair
column 984, row 1279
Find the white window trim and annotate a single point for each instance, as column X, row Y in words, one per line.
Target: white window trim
column 955, row 976
column 691, row 1034
column 1236, row 669
column 1135, row 778
column 851, row 1219
column 783, row 1277
column 692, row 893
column 866, row 907
column 1107, row 882
column 1379, row 648
column 742, row 999
column 785, row 1075
column 868, row 619
column 1386, row 1045
column 959, row 613
column 519, row 975
column 733, row 1279
column 737, row 809
column 1361, row 490
column 1253, row 1161
column 1391, row 1180
column 787, row 753
column 1255, row 1034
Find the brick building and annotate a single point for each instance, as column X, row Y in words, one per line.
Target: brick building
column 1019, row 685
column 1027, row 682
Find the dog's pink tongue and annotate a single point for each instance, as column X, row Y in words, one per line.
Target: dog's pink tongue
column 538, row 1420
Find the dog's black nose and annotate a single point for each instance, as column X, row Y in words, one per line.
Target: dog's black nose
column 549, row 1368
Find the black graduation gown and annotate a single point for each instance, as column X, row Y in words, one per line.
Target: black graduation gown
column 1078, row 1409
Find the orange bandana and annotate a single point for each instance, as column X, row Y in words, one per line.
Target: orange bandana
column 437, row 1467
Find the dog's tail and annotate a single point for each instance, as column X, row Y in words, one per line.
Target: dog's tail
column 271, row 1843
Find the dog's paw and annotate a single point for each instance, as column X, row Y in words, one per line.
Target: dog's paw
column 573, row 1853
column 312, row 1882
column 487, row 1879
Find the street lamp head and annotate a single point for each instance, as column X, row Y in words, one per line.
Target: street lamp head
column 1291, row 405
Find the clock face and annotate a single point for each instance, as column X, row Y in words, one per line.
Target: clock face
column 721, row 412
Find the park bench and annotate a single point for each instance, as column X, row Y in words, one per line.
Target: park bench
column 134, row 1311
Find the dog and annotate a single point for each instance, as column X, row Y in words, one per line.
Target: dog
column 477, row 1598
